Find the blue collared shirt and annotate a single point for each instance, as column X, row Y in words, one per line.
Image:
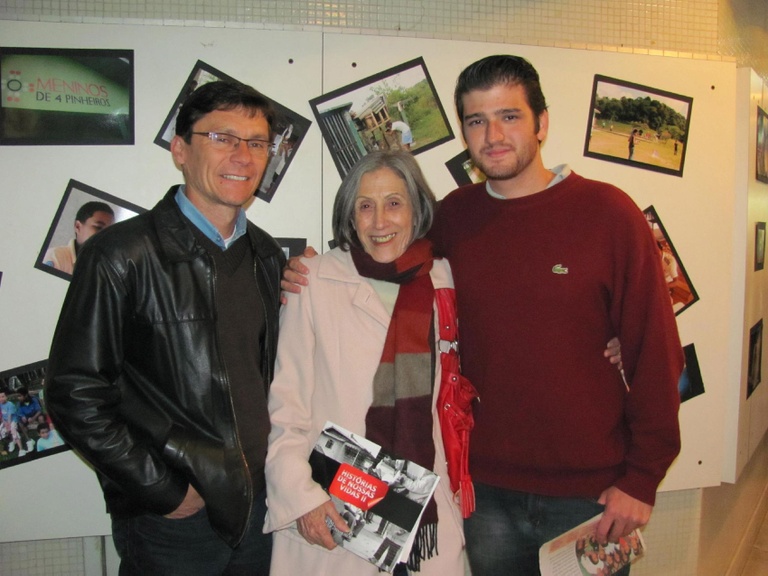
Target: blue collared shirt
column 204, row 225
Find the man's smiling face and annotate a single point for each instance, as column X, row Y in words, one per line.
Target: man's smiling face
column 217, row 178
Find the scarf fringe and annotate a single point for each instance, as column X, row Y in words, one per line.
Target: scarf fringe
column 424, row 546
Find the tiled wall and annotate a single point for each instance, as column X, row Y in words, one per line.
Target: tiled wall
column 687, row 26
column 62, row 557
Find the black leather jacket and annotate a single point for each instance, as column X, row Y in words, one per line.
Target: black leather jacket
column 135, row 379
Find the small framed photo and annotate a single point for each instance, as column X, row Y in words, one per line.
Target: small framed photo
column 761, row 165
column 396, row 108
column 62, row 96
column 464, row 170
column 26, row 431
column 638, row 126
column 690, row 384
column 754, row 366
column 292, row 246
column 289, row 130
column 83, row 212
column 681, row 291
column 759, row 245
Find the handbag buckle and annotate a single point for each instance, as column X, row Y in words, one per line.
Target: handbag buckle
column 445, row 346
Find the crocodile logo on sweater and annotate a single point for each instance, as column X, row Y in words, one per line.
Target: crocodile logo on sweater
column 559, row 269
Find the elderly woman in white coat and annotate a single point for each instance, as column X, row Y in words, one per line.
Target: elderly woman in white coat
column 376, row 287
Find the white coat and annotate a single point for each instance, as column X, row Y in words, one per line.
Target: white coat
column 331, row 339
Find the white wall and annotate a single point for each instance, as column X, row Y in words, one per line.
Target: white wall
column 34, row 178
column 697, row 209
column 748, row 417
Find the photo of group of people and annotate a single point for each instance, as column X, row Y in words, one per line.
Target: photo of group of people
column 83, row 212
column 26, row 431
column 637, row 125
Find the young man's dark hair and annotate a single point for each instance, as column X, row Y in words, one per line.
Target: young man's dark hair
column 501, row 69
column 221, row 95
column 90, row 208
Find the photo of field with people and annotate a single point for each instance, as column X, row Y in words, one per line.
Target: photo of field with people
column 637, row 125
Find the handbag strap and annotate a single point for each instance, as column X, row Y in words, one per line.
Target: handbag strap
column 448, row 323
column 449, row 362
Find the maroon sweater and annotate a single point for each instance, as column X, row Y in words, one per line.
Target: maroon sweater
column 543, row 282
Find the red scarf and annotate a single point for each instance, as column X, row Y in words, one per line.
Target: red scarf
column 400, row 418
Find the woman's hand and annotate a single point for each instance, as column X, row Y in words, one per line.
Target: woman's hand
column 313, row 528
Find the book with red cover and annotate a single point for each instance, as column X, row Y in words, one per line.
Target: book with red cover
column 380, row 496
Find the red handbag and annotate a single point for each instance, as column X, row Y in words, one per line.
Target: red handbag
column 454, row 403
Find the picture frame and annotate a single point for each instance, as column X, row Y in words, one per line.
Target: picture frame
column 759, row 245
column 638, row 126
column 761, row 160
column 28, row 378
column 690, row 384
column 58, row 254
column 66, row 97
column 292, row 246
column 682, row 292
column 755, row 362
column 463, row 169
column 288, row 133
column 354, row 119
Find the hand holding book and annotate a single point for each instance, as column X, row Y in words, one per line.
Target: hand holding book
column 315, row 525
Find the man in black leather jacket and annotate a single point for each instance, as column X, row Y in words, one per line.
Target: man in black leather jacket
column 165, row 348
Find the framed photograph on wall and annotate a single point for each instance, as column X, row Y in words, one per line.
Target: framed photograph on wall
column 289, row 130
column 464, row 170
column 759, row 245
column 761, row 164
column 638, row 126
column 396, row 108
column 690, row 384
column 754, row 367
column 26, row 431
column 292, row 246
column 681, row 291
column 83, row 212
column 64, row 96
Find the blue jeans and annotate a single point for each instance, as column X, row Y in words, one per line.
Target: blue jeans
column 507, row 529
column 156, row 545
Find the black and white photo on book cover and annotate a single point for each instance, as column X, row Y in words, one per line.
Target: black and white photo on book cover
column 380, row 496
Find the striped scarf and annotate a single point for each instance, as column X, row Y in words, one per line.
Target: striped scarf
column 400, row 417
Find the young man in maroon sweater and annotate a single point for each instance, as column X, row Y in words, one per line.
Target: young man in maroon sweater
column 558, row 436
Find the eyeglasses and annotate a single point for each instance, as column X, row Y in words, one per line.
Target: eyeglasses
column 222, row 141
